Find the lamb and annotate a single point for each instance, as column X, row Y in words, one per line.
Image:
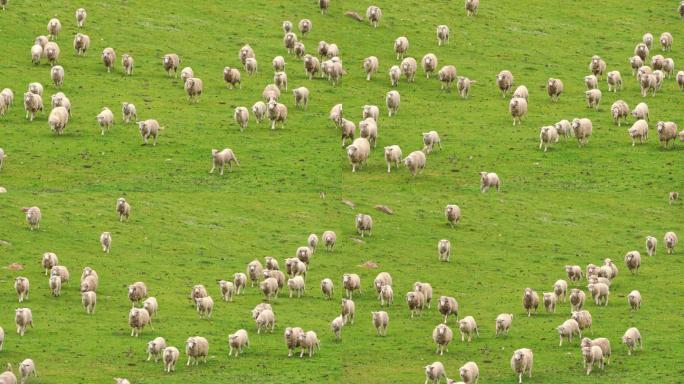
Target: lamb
column 583, row 319
column 23, row 317
column 592, row 355
column 352, row 281
column 666, row 41
column 55, row 283
column 554, row 88
column 196, row 348
column 549, row 299
column 670, row 242
column 358, row 152
column 21, row 286
column 171, row 61
column 560, row 289
column 487, row 180
column 401, row 45
column 129, row 112
column 386, row 295
column 347, row 129
column 138, row 318
column 204, row 306
column 241, row 116
column 416, row 302
column 170, row 357
column 643, row 71
column 591, row 82
column 277, row 113
column 292, row 339
column 568, row 329
column 328, row 288
column 408, row 68
column 429, row 140
column 26, row 368
column 259, row 111
column 301, row 96
column 463, row 86
column 265, row 319
column 149, row 128
column 336, row 114
column 81, row 45
column 61, row 271
column 631, row 338
column 619, row 110
column 471, row 9
column 311, row 66
column 521, row 92
column 504, row 80
column 597, row 66
column 105, row 119
column 52, row 52
column 193, row 87
column 442, row 336
column 467, row 326
column 530, row 300
column 518, row 109
column 667, row 131
column 434, row 372
column 108, row 58
column 270, row 288
column 651, row 244
column 231, row 76
column 289, row 41
column 58, row 119
column 648, row 82
column 53, row 28
column 447, row 75
column 444, row 249
column 32, row 104
column 415, row 162
column 453, row 214
column 395, row 75
column 136, row 292
column 503, row 323
column 593, row 97
column 448, row 306
column 582, row 129
column 521, row 362
column 635, row 62
column 37, row 53
column 348, row 309
column 123, row 208
column 442, row 35
column 251, row 66
column 599, row 292
column 308, row 341
column 296, row 285
column 392, row 156
column 127, row 63
column 634, row 300
column 81, row 16
column 329, row 239
column 633, row 261
column 614, row 80
column 336, row 326
column 641, row 111
column 374, row 14
column 547, row 136
column 155, row 348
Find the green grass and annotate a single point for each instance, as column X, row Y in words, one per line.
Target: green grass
column 567, row 206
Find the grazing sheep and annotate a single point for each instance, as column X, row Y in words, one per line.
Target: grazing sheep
column 241, row 116
column 265, row 319
column 296, row 285
column 429, row 64
column 127, row 64
column 593, row 97
column 328, row 288
column 301, row 96
column 667, row 131
column 633, row 261
column 434, row 372
column 568, row 329
column 26, row 368
column 304, row 26
column 308, row 341
column 348, row 310
column 672, row 196
column 149, row 128
column 670, row 242
column 592, row 355
column 48, row 261
column 599, row 292
column 292, row 339
column 635, row 62
column 123, row 209
column 386, row 295
column 171, row 61
column 429, row 140
column 58, row 119
column 408, row 68
column 416, row 302
column 232, row 77
column 448, row 306
column 467, row 326
column 277, row 113
column 442, row 35
column 641, row 111
column 504, row 80
column 521, row 92
column 518, row 109
column 170, row 357
column 289, row 41
column 108, row 58
column 547, row 136
column 471, row 9
column 193, row 87
column 81, row 45
column 444, row 249
column 463, row 86
column 620, row 111
column 204, row 306
column 129, row 112
column 259, row 111
column 21, row 286
column 352, row 281
column 574, row 272
column 634, row 300
column 549, row 299
column 651, row 244
column 582, row 129
column 196, row 348
column 136, row 292
column 37, row 53
column 55, row 284
column 489, row 179
column 415, row 162
column 54, row 27
column 447, row 75
column 358, row 152
column 52, row 51
column 155, row 348
column 453, row 214
column 33, row 217
column 631, row 338
column 392, row 156
column 374, row 14
column 530, row 300
column 666, row 41
column 138, row 318
column 329, row 239
column 401, row 45
column 583, row 319
column 503, row 323
column 336, row 326
column 554, row 88
column 521, row 362
column 105, row 119
column 442, row 336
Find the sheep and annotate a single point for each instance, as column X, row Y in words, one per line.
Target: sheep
column 204, row 306
column 89, row 284
column 631, row 338
column 196, row 348
column 358, row 152
column 328, row 288
column 48, row 261
column 304, row 26
column 301, row 96
column 672, row 196
column 374, row 14
column 633, row 261
column 138, row 318
column 312, row 242
column 521, row 92
column 23, row 317
column 442, row 35
column 26, row 368
column 504, row 80
column 408, row 68
column 582, row 128
column 593, row 97
column 442, row 336
column 386, row 295
column 382, row 279
column 447, row 75
column 61, row 271
column 36, row 88
column 444, row 249
column 105, row 119
column 259, row 111
column 33, row 217
column 308, row 341
column 667, row 131
column 620, row 111
column 329, row 239
column 241, row 116
column 108, row 58
column 89, row 301
column 471, row 9
column 599, row 292
column 453, row 214
column 583, row 319
column 311, row 66
column 280, row 80
column 136, row 292
column 171, row 61
column 54, row 27
column 292, row 339
column 270, row 288
column 467, row 326
column 254, row 270
column 336, row 327
column 643, row 71
column 415, row 162
column 334, row 70
column 521, row 362
column 648, row 82
column 416, row 302
column 193, row 87
column 246, row 52
column 352, row 281
column 591, row 82
column 554, row 88
column 21, row 286
column 332, row 51
column 657, row 61
column 489, row 179
column 296, row 285
column 170, row 358
column 635, row 62
column 336, row 114
column 37, row 53
column 231, row 76
column 287, row 26
column 651, row 244
column 568, row 329
column 666, row 41
column 8, row 376
column 530, row 300
column 574, row 272
column 592, row 355
column 429, row 140
column 447, row 305
column 392, row 156
column 348, row 309
column 401, row 45
column 518, row 109
column 155, row 348
column 549, row 299
column 659, row 78
column 434, row 372
column 81, row 16
column 149, row 127
column 614, row 80
column 289, row 40
column 668, row 67
column 324, row 4
column 81, row 44
column 634, row 300
column 55, row 284
column 123, row 209
column 503, row 324
column 41, row 40
column 52, row 52
column 59, row 99
column 299, row 49
column 32, row 104
column 129, row 112
column 597, row 66
column 322, row 48
column 670, row 240
column 641, row 111
column 560, row 289
column 295, row 267
column 276, row 274
column 347, row 129
column 600, row 342
column 251, row 66
column 680, row 79
column 547, row 136
column 58, row 119
column 265, row 319
column 276, row 113
column 463, row 86
column 127, row 63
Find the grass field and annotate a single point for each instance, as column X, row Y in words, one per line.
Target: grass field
column 567, row 206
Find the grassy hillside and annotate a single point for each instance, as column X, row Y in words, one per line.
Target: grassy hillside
column 567, row 206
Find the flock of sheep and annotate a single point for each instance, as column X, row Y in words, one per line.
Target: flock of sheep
column 271, row 281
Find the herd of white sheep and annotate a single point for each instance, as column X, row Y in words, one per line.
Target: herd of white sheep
column 271, row 281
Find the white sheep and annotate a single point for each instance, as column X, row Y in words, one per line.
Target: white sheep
column 434, row 372
column 489, row 179
column 231, row 76
column 521, row 92
column 221, row 158
column 328, row 288
column 251, row 66
column 296, row 285
column 447, row 75
column 416, row 302
column 374, row 14
column 651, row 244
column 670, row 242
column 155, row 348
column 634, row 300
column 81, row 44
column 666, row 41
column 394, row 75
column 592, row 355
column 23, row 317
column 453, row 214
column 58, row 119
column 401, row 45
column 170, row 357
column 265, row 319
column 530, row 301
column 129, row 112
column 48, row 261
column 635, row 62
column 599, row 292
column 336, row 114
column 503, row 324
column 560, row 289
column 33, row 217
column 301, row 96
column 574, row 272
column 55, row 284
column 22, row 286
column 597, row 66
column 311, row 66
column 593, row 97
column 591, row 82
column 582, row 128
column 442, row 336
column 37, row 53
column 136, row 292
column 269, row 287
column 408, row 68
column 518, row 109
column 600, row 342
column 138, row 318
column 193, row 87
column 171, row 61
column 329, row 239
column 108, row 58
column 667, row 131
column 352, row 281
column 52, row 51
column 347, row 130
column 299, row 49
column 204, row 306
column 147, row 128
column 442, row 35
column 504, row 80
column 668, row 67
column 308, row 341
column 81, row 16
column 614, row 80
column 358, row 152
column 291, row 336
column 105, row 119
column 276, row 113
column 641, row 111
column 386, row 295
column 470, row 372
column 648, row 82
column 554, row 88
column 583, row 319
column 127, row 63
column 246, row 52
column 547, row 136
column 463, row 86
column 549, row 299
column 241, row 117
column 521, row 362
column 54, row 27
column 336, row 326
column 444, row 249
column 259, row 111
column 429, row 140
column 633, row 261
column 568, row 329
column 467, row 326
column 196, row 348
column 289, row 41
column 471, row 9
column 392, row 156
column 415, row 162
column 620, row 111
column 447, row 305
column 631, row 338
column 123, row 208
